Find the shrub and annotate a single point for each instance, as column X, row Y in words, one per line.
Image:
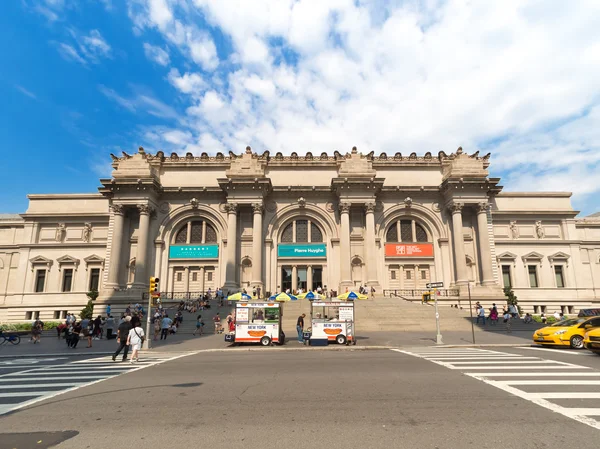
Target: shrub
column 88, row 310
column 511, row 299
column 14, row 327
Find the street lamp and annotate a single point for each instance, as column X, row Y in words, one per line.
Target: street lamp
column 471, row 311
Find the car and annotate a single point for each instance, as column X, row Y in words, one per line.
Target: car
column 591, row 340
column 569, row 332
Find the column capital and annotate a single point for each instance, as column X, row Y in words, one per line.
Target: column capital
column 482, row 207
column 145, row 209
column 370, row 207
column 117, row 209
column 344, row 207
column 457, row 208
column 231, row 208
column 257, row 208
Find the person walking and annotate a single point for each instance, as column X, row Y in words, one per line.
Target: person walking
column 75, row 330
column 300, row 328
column 507, row 318
column 217, row 321
column 156, row 327
column 122, row 334
column 36, row 331
column 136, row 338
column 199, row 325
column 480, row 314
column 165, row 325
column 85, row 330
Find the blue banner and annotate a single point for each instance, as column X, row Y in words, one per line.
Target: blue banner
column 302, row 250
column 194, row 252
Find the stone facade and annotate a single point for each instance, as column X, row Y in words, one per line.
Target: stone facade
column 274, row 222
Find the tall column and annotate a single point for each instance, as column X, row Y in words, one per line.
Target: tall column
column 309, row 278
column 370, row 250
column 345, row 274
column 186, row 279
column 202, row 275
column 460, row 258
column 141, row 257
column 485, row 251
column 230, row 283
column 257, row 246
column 114, row 269
column 170, row 280
column 294, row 278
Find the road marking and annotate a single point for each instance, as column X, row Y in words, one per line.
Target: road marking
column 80, row 375
column 561, row 351
column 487, row 357
column 550, row 382
column 486, row 372
column 561, row 395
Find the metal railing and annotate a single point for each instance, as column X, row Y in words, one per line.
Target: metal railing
column 179, row 296
column 418, row 293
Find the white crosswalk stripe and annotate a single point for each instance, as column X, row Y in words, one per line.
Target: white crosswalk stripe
column 520, row 375
column 30, row 384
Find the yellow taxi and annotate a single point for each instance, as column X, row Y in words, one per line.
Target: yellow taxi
column 568, row 332
column 591, row 340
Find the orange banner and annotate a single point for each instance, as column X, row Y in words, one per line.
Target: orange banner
column 409, row 250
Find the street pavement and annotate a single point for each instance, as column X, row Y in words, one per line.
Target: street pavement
column 25, row 381
column 423, row 397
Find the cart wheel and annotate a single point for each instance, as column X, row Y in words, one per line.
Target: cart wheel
column 340, row 339
column 354, row 341
column 265, row 341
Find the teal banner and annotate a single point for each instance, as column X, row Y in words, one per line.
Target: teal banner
column 302, row 250
column 194, row 252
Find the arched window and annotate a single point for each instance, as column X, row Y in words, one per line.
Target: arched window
column 302, row 231
column 197, row 231
column 407, row 230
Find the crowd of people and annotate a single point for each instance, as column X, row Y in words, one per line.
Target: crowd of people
column 509, row 313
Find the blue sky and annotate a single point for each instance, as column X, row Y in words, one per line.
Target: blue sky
column 82, row 79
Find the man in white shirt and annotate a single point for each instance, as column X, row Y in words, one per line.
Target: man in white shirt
column 557, row 315
column 165, row 326
column 135, row 337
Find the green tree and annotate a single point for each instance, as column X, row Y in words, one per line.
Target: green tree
column 88, row 310
column 511, row 299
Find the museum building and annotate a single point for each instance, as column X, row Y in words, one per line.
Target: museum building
column 273, row 222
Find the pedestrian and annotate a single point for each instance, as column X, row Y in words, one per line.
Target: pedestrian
column 165, row 326
column 372, row 292
column 254, row 292
column 300, row 328
column 481, row 314
column 122, row 334
column 108, row 310
column 85, row 330
column 199, row 325
column 75, row 330
column 528, row 319
column 507, row 318
column 543, row 318
column 36, row 331
column 136, row 338
column 97, row 323
column 156, row 327
column 110, row 327
column 217, row 321
column 557, row 316
column 493, row 316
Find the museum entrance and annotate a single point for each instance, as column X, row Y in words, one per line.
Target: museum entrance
column 305, row 277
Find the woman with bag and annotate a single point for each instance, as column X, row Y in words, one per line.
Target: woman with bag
column 135, row 339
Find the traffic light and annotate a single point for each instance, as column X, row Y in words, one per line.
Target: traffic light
column 154, row 287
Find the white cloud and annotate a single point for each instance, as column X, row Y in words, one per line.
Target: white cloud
column 121, row 101
column 25, row 92
column 86, row 49
column 70, row 54
column 188, row 83
column 156, row 54
column 94, row 45
column 520, row 79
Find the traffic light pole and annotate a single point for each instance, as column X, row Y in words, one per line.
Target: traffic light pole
column 147, row 344
column 438, row 337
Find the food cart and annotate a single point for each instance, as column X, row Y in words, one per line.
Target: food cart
column 332, row 321
column 257, row 322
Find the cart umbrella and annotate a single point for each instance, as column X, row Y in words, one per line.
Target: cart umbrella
column 351, row 296
column 239, row 296
column 283, row 297
column 311, row 296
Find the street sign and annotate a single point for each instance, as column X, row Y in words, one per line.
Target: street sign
column 435, row 285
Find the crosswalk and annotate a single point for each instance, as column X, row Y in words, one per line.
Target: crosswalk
column 566, row 388
column 23, row 384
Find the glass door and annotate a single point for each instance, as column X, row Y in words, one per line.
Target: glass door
column 286, row 279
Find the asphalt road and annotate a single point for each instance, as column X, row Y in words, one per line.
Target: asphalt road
column 333, row 399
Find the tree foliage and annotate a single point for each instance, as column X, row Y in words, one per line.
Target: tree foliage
column 88, row 311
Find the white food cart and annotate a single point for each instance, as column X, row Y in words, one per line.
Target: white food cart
column 257, row 322
column 333, row 321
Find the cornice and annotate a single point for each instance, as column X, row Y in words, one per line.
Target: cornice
column 66, row 215
column 64, row 245
column 536, row 194
column 545, row 242
column 67, row 196
column 568, row 213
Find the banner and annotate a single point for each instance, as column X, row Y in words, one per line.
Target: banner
column 302, row 250
column 409, row 249
column 194, row 252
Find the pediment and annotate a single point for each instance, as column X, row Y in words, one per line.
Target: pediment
column 533, row 256
column 93, row 259
column 40, row 260
column 506, row 256
column 559, row 256
column 67, row 259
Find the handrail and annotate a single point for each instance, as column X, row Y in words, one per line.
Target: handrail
column 418, row 293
